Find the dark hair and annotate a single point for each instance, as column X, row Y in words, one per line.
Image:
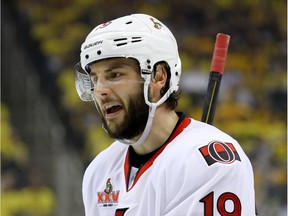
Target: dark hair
column 172, row 101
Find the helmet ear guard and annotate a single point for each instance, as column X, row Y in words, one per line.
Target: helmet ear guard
column 175, row 77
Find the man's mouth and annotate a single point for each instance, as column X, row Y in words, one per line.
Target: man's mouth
column 112, row 110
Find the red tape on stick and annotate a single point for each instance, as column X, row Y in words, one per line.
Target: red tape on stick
column 220, row 53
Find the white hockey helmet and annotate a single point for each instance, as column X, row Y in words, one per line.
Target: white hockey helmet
column 137, row 36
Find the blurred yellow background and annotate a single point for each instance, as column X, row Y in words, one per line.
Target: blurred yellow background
column 49, row 136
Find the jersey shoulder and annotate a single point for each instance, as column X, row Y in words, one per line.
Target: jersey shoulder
column 114, row 154
column 205, row 132
column 204, row 148
column 200, row 160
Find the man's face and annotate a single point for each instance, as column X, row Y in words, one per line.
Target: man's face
column 118, row 94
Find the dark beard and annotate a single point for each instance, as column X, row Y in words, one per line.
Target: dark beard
column 134, row 121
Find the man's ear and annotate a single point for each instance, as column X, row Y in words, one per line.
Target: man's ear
column 160, row 75
column 158, row 82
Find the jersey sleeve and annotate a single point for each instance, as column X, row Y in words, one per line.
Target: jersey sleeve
column 90, row 182
column 87, row 188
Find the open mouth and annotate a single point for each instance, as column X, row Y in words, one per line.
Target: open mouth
column 112, row 110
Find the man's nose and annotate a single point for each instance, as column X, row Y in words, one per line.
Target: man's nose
column 101, row 88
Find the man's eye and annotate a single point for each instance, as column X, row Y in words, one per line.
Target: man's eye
column 114, row 76
column 94, row 79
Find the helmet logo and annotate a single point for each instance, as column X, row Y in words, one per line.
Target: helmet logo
column 93, row 44
column 103, row 25
column 157, row 25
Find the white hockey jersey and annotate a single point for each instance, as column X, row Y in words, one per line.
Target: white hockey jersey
column 199, row 171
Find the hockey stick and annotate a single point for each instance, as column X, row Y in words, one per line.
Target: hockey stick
column 216, row 72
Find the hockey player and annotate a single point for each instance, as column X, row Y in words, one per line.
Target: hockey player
column 162, row 162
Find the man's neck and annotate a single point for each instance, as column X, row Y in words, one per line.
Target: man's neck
column 163, row 124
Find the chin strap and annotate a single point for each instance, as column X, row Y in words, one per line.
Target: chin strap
column 152, row 109
column 146, row 130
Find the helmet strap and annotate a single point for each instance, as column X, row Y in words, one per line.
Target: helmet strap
column 152, row 109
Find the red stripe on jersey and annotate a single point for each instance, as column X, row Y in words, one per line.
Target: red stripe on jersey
column 186, row 121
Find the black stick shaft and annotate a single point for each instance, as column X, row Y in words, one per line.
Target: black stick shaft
column 211, row 97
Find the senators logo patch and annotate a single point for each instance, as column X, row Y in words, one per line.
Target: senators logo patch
column 220, row 152
column 109, row 186
column 108, row 197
